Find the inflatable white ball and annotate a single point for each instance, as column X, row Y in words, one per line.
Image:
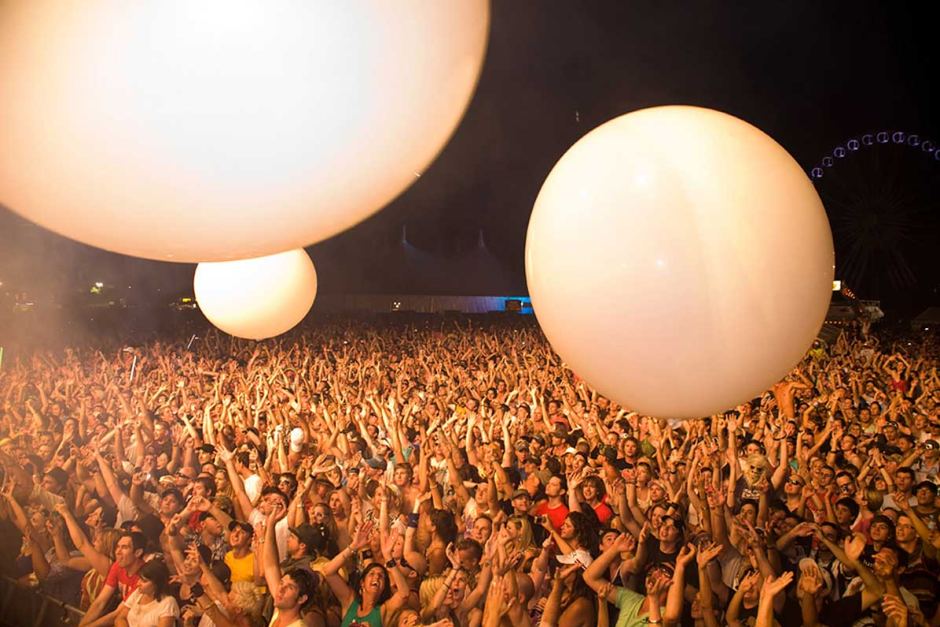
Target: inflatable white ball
column 679, row 260
column 208, row 130
column 257, row 298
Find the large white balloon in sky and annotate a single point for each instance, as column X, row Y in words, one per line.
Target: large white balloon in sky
column 257, row 298
column 679, row 260
column 206, row 130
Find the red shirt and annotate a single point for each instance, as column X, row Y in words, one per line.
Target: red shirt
column 556, row 516
column 118, row 578
column 604, row 513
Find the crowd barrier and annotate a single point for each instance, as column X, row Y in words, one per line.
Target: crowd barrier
column 21, row 606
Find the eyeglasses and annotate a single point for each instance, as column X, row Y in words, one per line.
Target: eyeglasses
column 794, row 482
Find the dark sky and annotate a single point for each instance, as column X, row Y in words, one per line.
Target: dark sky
column 811, row 74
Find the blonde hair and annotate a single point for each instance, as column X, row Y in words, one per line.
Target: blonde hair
column 244, row 595
column 526, row 539
column 109, row 539
column 875, row 499
column 428, row 589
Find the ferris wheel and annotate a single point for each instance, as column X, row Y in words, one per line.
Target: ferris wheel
column 881, row 191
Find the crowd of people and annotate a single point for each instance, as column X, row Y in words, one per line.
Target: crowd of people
column 458, row 474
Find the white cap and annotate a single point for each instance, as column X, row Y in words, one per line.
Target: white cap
column 578, row 556
column 296, row 439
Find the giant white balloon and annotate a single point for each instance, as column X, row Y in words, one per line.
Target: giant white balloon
column 207, row 130
column 257, row 298
column 679, row 260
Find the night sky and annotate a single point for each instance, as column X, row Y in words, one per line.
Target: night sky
column 811, row 74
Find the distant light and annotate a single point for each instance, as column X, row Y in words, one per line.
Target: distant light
column 836, row 286
column 99, row 284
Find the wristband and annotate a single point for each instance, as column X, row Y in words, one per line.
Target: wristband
column 413, row 520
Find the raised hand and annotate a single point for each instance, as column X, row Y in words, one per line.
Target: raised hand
column 685, row 556
column 810, row 581
column 659, row 584
column 707, row 553
column 750, row 581
column 854, row 547
column 895, row 609
column 625, row 543
column 452, row 555
column 774, row 585
column 363, row 535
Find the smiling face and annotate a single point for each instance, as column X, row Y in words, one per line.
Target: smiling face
column 238, row 538
column 373, row 582
column 482, row 530
column 191, row 564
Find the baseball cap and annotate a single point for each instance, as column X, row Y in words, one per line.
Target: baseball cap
column 376, row 463
column 297, row 438
column 930, row 485
column 241, row 524
column 307, row 535
column 578, row 556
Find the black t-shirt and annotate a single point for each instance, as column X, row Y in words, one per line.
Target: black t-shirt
column 790, row 614
column 656, row 555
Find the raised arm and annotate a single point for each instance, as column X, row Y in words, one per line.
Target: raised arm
column 330, row 571
column 595, row 575
column 238, row 486
column 675, row 596
column 100, row 562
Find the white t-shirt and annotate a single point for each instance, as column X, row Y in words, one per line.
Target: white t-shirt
column 253, row 487
column 281, row 530
column 150, row 614
column 126, row 510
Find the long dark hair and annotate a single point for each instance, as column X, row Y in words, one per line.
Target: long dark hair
column 156, row 572
column 357, row 579
column 444, row 525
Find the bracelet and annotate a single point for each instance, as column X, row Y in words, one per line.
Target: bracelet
column 413, row 520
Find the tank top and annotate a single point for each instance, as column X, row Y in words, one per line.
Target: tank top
column 372, row 619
